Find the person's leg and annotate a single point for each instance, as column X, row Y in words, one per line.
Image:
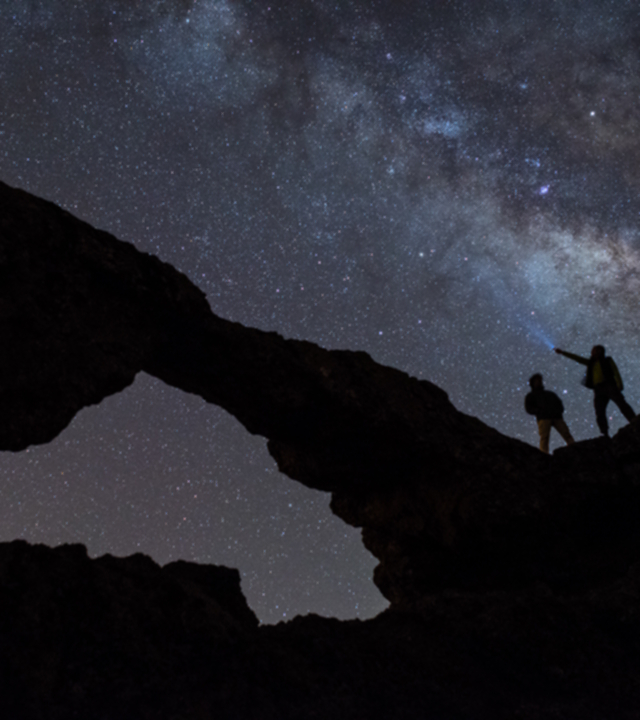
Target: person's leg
column 561, row 426
column 600, row 402
column 625, row 408
column 544, row 428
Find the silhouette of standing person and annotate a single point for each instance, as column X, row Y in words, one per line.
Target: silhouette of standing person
column 548, row 409
column 603, row 377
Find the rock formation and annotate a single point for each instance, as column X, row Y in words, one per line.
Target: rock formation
column 497, row 559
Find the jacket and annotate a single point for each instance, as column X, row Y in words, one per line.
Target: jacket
column 598, row 371
column 544, row 404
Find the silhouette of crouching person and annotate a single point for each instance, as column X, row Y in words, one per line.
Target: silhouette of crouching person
column 548, row 409
column 603, row 377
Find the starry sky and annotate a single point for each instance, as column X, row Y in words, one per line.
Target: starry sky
column 451, row 186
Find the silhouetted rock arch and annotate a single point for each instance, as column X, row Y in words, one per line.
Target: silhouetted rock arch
column 514, row 577
column 443, row 500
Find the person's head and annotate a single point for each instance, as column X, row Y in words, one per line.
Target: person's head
column 597, row 352
column 535, row 381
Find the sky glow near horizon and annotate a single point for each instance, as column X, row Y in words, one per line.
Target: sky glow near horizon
column 452, row 189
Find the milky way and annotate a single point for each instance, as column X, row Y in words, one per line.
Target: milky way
column 450, row 186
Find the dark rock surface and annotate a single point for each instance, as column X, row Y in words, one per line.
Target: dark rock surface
column 123, row 638
column 512, row 575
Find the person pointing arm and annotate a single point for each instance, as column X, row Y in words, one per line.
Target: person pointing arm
column 604, row 378
column 571, row 356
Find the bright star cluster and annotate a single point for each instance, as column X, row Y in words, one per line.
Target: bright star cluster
column 451, row 186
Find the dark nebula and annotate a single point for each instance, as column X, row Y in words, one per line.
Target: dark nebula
column 449, row 186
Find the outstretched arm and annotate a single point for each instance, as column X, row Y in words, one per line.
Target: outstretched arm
column 571, row 356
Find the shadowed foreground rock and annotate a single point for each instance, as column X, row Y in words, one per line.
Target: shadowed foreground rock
column 123, row 638
column 512, row 575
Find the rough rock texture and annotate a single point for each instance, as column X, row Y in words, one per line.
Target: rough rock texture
column 72, row 627
column 123, row 639
column 486, row 546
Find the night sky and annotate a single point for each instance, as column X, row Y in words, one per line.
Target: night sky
column 450, row 186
